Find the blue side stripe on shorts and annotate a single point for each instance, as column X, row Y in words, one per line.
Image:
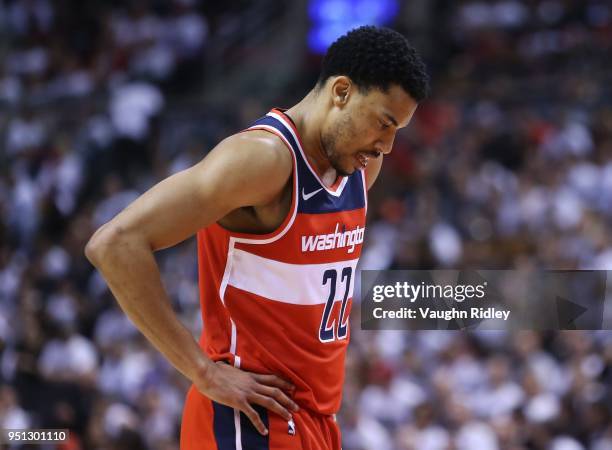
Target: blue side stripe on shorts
column 223, row 426
column 251, row 439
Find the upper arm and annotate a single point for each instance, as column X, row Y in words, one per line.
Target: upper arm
column 246, row 169
column 372, row 170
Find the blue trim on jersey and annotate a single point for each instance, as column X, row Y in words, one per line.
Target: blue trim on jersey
column 223, row 426
column 272, row 122
column 251, row 439
column 352, row 196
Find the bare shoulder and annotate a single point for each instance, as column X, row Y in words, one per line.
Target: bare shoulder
column 262, row 148
column 257, row 164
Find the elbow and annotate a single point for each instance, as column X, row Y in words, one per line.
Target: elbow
column 99, row 245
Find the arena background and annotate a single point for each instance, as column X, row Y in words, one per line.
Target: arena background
column 508, row 165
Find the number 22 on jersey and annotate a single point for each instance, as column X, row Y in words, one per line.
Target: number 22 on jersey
column 336, row 329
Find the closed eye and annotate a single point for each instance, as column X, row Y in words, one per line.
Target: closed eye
column 383, row 125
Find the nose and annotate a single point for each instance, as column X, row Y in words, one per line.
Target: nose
column 385, row 145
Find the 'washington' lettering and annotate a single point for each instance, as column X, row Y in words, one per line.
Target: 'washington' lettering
column 337, row 239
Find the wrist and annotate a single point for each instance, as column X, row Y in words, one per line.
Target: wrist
column 204, row 374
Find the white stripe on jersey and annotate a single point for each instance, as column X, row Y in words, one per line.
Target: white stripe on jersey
column 299, row 284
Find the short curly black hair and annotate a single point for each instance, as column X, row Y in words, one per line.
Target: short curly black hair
column 376, row 57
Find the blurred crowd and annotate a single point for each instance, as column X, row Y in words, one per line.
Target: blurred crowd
column 487, row 390
column 508, row 165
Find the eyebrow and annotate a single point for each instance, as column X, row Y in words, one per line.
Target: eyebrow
column 391, row 118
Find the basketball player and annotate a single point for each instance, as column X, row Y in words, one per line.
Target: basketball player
column 279, row 211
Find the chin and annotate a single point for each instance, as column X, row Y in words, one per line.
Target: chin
column 342, row 170
column 345, row 172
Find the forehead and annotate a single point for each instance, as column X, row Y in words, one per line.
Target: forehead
column 395, row 102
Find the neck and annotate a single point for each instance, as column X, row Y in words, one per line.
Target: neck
column 308, row 121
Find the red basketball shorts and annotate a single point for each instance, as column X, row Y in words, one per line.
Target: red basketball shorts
column 208, row 425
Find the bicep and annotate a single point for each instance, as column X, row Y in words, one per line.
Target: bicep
column 240, row 171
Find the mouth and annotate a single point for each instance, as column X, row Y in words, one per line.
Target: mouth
column 363, row 158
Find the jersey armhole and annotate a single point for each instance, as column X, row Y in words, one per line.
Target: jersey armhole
column 266, row 238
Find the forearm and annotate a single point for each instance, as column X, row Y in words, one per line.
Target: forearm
column 132, row 274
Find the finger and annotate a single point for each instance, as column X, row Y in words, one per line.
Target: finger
column 279, row 396
column 270, row 404
column 273, row 380
column 254, row 418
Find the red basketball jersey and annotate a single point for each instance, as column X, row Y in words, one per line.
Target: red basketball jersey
column 279, row 303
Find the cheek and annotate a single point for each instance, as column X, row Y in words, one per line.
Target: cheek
column 363, row 127
column 362, row 138
column 352, row 134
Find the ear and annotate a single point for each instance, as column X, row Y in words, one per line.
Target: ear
column 341, row 89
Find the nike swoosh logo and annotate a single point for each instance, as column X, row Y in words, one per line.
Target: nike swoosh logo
column 306, row 196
